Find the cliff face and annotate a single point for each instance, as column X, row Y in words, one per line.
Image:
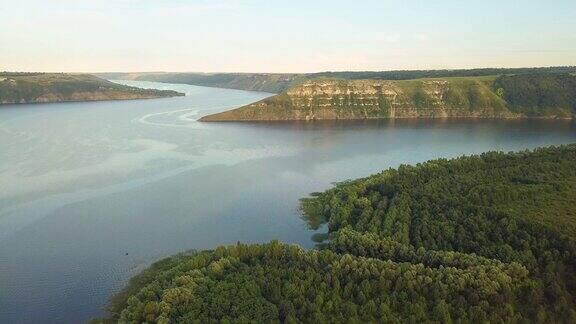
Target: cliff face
column 362, row 99
column 58, row 87
column 366, row 99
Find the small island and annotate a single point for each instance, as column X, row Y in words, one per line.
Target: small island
column 17, row 88
column 533, row 95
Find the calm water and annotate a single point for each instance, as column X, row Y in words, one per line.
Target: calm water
column 91, row 193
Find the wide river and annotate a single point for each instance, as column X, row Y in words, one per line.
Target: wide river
column 92, row 193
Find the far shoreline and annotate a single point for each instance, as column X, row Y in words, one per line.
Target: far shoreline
column 439, row 118
column 87, row 100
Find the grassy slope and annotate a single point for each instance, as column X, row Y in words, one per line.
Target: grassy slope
column 483, row 96
column 470, row 239
column 56, row 87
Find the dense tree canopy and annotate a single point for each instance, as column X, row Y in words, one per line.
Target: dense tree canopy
column 538, row 94
column 417, row 74
column 474, row 239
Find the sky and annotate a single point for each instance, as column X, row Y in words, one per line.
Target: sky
column 283, row 36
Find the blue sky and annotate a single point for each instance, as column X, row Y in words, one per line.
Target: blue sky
column 283, row 36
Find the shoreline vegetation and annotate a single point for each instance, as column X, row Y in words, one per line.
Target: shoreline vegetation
column 480, row 238
column 20, row 88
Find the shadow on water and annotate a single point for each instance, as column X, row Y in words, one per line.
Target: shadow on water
column 314, row 212
column 410, row 123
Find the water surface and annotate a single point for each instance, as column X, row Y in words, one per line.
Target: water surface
column 91, row 193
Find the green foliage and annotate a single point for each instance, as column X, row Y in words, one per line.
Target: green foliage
column 419, row 74
column 443, row 241
column 538, row 94
column 518, row 208
column 281, row 283
column 421, row 99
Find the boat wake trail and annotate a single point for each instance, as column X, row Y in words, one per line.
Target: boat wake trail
column 187, row 118
column 174, row 118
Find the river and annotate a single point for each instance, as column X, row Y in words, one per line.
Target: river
column 91, row 193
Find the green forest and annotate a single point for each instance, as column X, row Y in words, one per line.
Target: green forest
column 483, row 238
column 418, row 74
column 537, row 94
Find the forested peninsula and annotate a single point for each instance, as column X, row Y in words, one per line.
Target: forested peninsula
column 482, row 238
column 542, row 95
column 59, row 87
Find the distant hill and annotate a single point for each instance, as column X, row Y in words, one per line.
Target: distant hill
column 278, row 82
column 544, row 95
column 266, row 82
column 419, row 74
column 57, row 87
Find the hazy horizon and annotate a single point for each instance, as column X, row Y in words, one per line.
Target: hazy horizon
column 275, row 37
column 301, row 72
